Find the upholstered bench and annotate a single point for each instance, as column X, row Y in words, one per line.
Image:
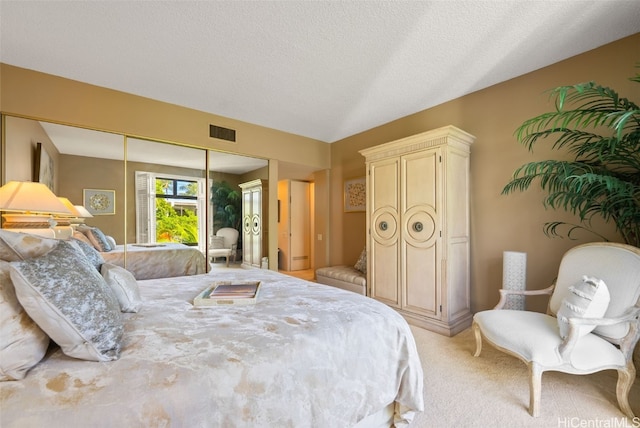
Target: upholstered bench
column 345, row 277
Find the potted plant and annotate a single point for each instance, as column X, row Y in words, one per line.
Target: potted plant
column 227, row 207
column 601, row 131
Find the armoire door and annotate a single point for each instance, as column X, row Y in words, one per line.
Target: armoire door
column 256, row 226
column 421, row 243
column 247, row 235
column 384, row 231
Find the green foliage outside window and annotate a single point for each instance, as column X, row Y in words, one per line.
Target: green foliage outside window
column 174, row 226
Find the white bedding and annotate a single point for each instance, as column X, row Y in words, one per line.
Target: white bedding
column 158, row 261
column 305, row 355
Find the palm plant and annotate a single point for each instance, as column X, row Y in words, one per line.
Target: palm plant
column 227, row 205
column 601, row 131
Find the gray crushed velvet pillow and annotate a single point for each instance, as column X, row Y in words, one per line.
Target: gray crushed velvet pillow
column 71, row 302
column 361, row 263
column 92, row 254
column 98, row 239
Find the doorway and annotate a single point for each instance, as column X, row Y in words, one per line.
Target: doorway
column 294, row 225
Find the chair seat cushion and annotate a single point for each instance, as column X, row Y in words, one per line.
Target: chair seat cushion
column 220, row 252
column 533, row 336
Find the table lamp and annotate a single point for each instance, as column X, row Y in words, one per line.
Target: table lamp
column 29, row 207
column 84, row 213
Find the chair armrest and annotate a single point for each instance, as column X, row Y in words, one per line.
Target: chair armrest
column 567, row 345
column 504, row 293
column 629, row 315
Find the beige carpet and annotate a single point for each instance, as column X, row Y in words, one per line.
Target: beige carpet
column 492, row 390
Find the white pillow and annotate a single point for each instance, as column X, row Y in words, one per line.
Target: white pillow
column 22, row 342
column 124, row 286
column 112, row 241
column 15, row 246
column 68, row 298
column 587, row 299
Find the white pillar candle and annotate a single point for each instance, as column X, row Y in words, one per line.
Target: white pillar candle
column 514, row 277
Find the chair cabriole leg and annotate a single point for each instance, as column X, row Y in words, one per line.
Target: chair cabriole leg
column 535, row 389
column 476, row 331
column 626, row 378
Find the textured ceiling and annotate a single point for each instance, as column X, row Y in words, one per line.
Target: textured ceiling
column 321, row 69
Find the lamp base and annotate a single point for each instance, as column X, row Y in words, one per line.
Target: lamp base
column 27, row 219
column 57, row 232
column 41, row 225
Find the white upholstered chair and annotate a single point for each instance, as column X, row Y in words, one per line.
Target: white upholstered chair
column 535, row 338
column 224, row 244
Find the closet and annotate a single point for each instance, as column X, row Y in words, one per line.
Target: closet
column 255, row 240
column 418, row 228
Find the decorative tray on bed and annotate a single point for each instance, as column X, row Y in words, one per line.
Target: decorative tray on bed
column 228, row 293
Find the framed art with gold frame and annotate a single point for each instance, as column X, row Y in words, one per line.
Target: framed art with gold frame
column 355, row 195
column 99, row 202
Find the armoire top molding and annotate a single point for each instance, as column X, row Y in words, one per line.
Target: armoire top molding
column 450, row 135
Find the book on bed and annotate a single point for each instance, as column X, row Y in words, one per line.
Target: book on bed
column 228, row 293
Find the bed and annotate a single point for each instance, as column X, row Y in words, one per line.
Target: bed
column 150, row 261
column 304, row 355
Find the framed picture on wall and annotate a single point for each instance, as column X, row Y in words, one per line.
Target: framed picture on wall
column 44, row 171
column 355, row 195
column 99, row 202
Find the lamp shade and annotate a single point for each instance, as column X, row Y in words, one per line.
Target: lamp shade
column 84, row 213
column 29, row 197
column 73, row 212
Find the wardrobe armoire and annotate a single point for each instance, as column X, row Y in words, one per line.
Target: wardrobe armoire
column 255, row 201
column 418, row 228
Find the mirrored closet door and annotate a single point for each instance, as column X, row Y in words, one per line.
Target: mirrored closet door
column 138, row 190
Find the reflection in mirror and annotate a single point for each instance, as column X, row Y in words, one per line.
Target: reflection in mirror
column 90, row 165
column 84, row 163
column 226, row 173
column 167, row 201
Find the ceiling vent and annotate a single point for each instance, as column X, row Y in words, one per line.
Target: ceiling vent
column 222, row 133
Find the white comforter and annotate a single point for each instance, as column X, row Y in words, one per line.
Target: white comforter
column 305, row 355
column 158, row 261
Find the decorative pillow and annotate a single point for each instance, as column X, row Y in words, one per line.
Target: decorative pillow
column 81, row 237
column 217, row 242
column 361, row 264
column 91, row 253
column 22, row 342
column 16, row 246
column 124, row 286
column 587, row 299
column 111, row 241
column 67, row 297
column 98, row 239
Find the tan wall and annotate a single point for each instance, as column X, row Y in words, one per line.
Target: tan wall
column 80, row 172
column 498, row 222
column 24, row 136
column 41, row 96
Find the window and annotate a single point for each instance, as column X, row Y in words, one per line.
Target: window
column 177, row 203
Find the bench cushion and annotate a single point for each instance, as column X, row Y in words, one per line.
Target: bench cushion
column 342, row 273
